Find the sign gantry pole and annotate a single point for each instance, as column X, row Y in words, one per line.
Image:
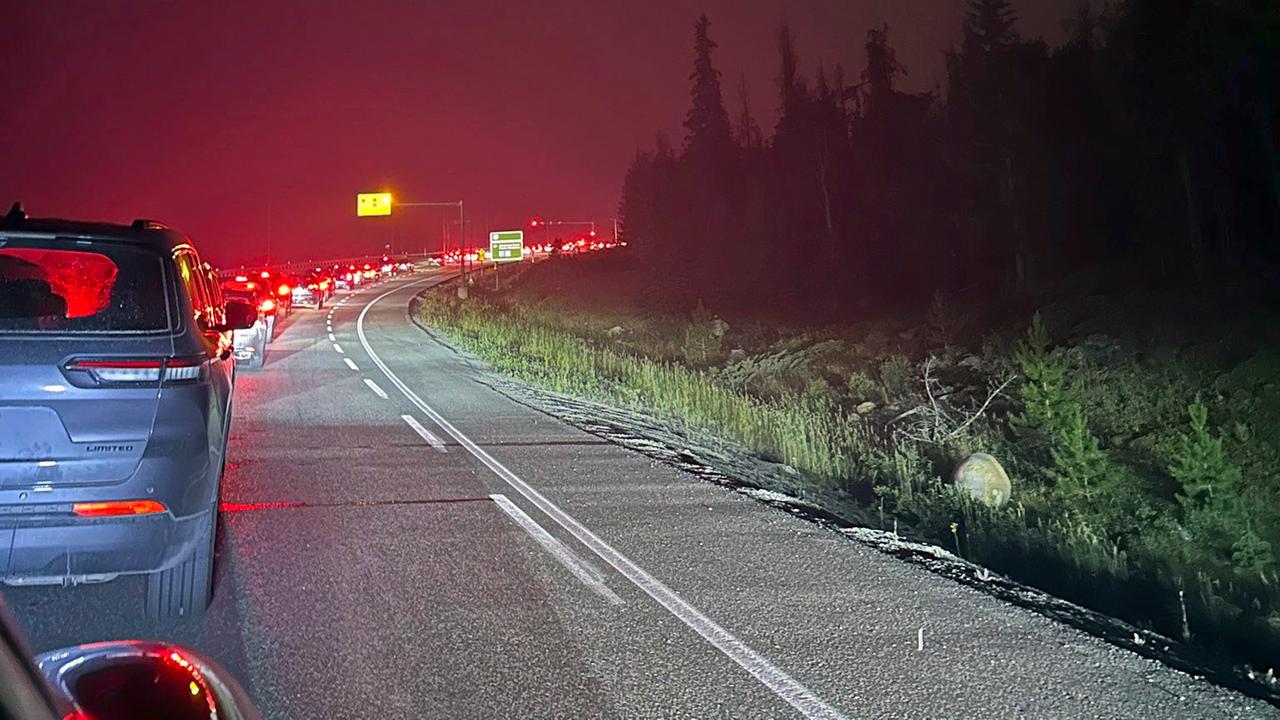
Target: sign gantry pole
column 380, row 204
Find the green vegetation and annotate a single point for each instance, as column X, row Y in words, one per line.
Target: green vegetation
column 1144, row 480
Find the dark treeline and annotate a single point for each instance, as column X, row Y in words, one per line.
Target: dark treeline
column 1147, row 140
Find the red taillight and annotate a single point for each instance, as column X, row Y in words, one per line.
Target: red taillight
column 267, row 305
column 86, row 364
column 117, row 507
column 125, row 371
column 120, row 371
column 242, row 278
column 264, row 275
column 283, row 290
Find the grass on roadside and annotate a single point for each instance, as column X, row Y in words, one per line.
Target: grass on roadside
column 1144, row 483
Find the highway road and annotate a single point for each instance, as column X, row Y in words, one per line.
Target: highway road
column 399, row 540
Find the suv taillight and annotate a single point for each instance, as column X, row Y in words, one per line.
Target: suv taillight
column 133, row 371
column 184, row 369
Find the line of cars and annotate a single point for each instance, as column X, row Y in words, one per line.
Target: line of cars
column 116, row 378
column 354, row 275
column 275, row 295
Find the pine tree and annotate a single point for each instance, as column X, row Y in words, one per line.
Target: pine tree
column 1201, row 465
column 792, row 93
column 882, row 62
column 989, row 24
column 1083, row 27
column 747, row 132
column 709, row 135
column 636, row 207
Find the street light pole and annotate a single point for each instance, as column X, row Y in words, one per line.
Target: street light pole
column 268, row 234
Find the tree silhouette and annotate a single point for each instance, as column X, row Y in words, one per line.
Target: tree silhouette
column 747, row 132
column 1147, row 140
column 989, row 24
column 709, row 136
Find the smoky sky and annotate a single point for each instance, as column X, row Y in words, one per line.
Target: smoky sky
column 247, row 122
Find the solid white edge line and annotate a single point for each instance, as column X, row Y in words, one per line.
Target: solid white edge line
column 580, row 568
column 426, row 434
column 771, row 676
column 351, row 364
column 338, row 349
column 376, row 390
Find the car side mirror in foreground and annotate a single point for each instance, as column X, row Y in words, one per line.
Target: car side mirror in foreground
column 241, row 315
column 120, row 680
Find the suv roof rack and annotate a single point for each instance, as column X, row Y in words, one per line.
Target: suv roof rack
column 145, row 224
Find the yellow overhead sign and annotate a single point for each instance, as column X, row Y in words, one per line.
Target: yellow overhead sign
column 373, row 204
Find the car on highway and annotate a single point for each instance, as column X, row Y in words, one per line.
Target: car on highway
column 115, row 404
column 313, row 290
column 259, row 293
column 280, row 286
column 250, row 343
column 350, row 278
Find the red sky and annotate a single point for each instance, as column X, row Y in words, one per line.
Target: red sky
column 234, row 121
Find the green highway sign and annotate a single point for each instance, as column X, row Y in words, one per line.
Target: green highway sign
column 506, row 246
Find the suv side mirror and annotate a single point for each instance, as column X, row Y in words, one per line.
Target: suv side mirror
column 241, row 315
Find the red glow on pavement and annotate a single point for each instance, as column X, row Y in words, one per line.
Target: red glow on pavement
column 247, row 507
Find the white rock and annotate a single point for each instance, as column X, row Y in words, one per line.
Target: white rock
column 983, row 478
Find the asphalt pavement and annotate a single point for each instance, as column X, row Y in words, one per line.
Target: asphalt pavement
column 398, row 540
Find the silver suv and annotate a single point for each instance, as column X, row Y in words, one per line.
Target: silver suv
column 115, row 402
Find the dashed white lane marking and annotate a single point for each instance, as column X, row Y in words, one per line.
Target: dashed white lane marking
column 338, row 349
column 331, row 337
column 376, row 390
column 426, row 434
column 580, row 568
column 771, row 676
column 351, row 364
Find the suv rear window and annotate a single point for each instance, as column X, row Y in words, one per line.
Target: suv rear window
column 90, row 288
